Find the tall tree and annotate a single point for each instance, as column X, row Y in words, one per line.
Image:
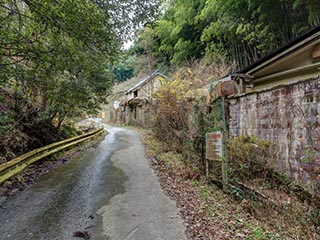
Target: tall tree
column 55, row 54
column 239, row 30
column 128, row 16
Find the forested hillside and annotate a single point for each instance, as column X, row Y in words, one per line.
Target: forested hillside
column 58, row 60
column 55, row 64
column 237, row 151
column 240, row 31
column 199, row 42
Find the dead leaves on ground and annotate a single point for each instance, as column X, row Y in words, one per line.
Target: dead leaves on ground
column 208, row 213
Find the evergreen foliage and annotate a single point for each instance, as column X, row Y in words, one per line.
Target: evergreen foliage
column 57, row 54
column 124, row 68
column 241, row 31
column 55, row 59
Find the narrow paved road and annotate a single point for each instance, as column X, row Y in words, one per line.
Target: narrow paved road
column 110, row 192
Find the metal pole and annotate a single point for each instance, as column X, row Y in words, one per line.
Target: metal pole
column 225, row 163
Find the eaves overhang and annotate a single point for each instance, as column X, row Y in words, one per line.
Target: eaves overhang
column 145, row 80
column 294, row 45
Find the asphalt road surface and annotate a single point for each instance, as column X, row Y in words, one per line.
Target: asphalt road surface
column 109, row 192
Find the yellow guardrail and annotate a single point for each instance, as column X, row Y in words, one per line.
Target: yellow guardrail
column 14, row 166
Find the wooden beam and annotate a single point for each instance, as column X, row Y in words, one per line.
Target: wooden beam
column 316, row 51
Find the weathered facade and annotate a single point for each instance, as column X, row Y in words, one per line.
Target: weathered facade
column 287, row 116
column 278, row 100
column 137, row 107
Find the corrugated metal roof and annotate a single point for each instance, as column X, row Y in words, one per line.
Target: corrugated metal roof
column 155, row 73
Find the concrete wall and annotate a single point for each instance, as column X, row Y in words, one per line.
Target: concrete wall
column 288, row 116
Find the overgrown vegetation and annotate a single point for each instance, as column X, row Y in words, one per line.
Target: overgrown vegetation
column 251, row 158
column 55, row 64
column 186, row 108
column 184, row 111
column 52, row 59
column 23, row 128
column 195, row 43
column 210, row 213
column 181, row 104
column 241, row 31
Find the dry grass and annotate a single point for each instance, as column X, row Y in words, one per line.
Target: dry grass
column 209, row 213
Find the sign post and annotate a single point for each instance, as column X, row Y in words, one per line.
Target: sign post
column 214, row 148
column 215, row 151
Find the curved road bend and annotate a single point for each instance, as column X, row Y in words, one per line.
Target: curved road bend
column 110, row 191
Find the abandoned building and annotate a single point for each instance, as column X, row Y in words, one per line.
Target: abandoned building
column 137, row 106
column 277, row 98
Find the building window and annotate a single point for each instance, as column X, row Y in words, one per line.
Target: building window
column 135, row 93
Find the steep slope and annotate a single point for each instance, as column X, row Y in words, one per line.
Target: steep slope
column 21, row 126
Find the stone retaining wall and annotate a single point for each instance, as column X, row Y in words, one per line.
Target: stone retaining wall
column 288, row 116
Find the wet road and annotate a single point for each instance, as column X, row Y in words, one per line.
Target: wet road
column 109, row 191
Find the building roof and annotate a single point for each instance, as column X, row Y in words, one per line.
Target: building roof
column 297, row 43
column 145, row 80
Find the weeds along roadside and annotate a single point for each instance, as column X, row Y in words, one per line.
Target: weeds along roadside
column 263, row 206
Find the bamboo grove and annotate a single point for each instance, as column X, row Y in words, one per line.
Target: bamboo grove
column 240, row 31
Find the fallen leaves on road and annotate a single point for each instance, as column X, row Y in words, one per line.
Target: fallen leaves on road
column 209, row 213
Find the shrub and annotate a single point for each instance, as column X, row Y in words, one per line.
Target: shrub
column 250, row 157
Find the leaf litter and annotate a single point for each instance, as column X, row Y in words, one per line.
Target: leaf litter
column 209, row 213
